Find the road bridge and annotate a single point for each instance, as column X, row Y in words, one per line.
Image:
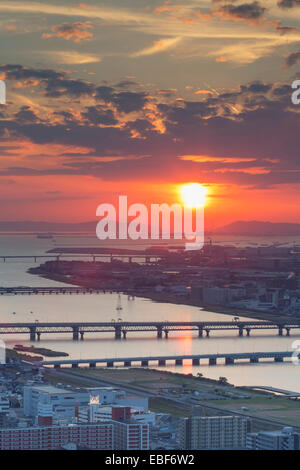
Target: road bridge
column 228, row 358
column 24, row 290
column 146, row 257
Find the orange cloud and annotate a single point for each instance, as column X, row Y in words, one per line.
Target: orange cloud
column 166, row 7
column 76, row 32
column 209, row 158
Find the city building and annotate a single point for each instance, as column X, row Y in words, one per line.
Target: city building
column 56, row 396
column 94, row 413
column 91, row 436
column 129, row 435
column 285, row 439
column 213, row 432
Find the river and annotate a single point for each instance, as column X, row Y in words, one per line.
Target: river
column 102, row 307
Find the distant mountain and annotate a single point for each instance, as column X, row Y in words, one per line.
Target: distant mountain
column 52, row 227
column 257, row 228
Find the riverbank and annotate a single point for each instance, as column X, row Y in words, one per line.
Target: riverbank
column 184, row 394
column 164, row 297
column 36, row 350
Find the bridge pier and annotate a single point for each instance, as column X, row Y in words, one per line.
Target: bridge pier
column 278, row 359
column 56, row 366
column 254, row 360
column 166, row 334
column 109, row 364
column 32, row 330
column 207, row 333
column 118, row 332
column 229, row 360
column 288, row 331
column 162, row 362
column 145, row 363
column 212, row 361
column 74, row 366
column 280, row 329
column 124, row 334
column 127, row 363
column 92, row 365
column 159, row 332
column 248, row 331
column 81, row 335
column 200, row 332
column 75, row 333
column 38, row 334
column 241, row 331
column 178, row 362
column 196, row 362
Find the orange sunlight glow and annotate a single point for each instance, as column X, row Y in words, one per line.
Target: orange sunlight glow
column 193, row 194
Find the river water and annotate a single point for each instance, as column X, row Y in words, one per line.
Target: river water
column 102, row 307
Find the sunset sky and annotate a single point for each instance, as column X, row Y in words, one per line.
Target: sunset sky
column 137, row 97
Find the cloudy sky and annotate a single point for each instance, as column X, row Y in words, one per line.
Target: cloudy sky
column 137, row 97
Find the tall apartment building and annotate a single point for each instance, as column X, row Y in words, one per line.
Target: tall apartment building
column 213, row 432
column 285, row 439
column 92, row 436
column 129, row 435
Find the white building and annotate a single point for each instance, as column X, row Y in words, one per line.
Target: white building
column 95, row 413
column 56, row 396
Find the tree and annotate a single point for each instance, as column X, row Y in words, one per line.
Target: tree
column 223, row 380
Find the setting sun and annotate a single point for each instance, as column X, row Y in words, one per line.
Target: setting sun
column 193, row 194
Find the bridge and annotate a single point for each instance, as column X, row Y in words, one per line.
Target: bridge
column 141, row 256
column 120, row 329
column 24, row 290
column 229, row 358
column 279, row 391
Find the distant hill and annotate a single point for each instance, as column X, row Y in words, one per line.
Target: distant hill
column 257, row 228
column 52, row 227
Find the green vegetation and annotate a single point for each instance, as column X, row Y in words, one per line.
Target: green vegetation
column 163, row 405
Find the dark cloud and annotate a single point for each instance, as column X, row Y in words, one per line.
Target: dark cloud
column 96, row 115
column 292, row 59
column 125, row 101
column 26, row 115
column 285, row 4
column 248, row 136
column 256, row 87
column 18, row 72
column 246, row 11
